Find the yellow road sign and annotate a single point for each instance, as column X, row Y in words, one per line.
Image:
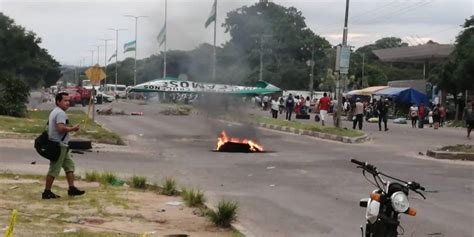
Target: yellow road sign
column 95, row 74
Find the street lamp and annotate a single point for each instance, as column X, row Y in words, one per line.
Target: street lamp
column 116, row 52
column 98, row 52
column 105, row 60
column 136, row 46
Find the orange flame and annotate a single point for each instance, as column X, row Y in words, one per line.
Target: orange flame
column 223, row 138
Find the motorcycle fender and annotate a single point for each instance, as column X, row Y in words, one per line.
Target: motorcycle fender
column 372, row 211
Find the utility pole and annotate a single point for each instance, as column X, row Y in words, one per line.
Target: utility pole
column 136, row 47
column 92, row 57
column 363, row 67
column 343, row 73
column 98, row 53
column 262, row 36
column 311, row 78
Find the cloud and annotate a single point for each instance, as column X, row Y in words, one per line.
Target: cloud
column 69, row 28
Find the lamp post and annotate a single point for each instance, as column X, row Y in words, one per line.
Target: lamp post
column 105, row 61
column 136, row 46
column 116, row 52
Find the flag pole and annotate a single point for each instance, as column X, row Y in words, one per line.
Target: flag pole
column 166, row 38
column 214, row 48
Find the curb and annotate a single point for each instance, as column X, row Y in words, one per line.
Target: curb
column 446, row 155
column 310, row 133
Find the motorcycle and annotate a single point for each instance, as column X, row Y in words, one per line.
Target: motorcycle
column 386, row 203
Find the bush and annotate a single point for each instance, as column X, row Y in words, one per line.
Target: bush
column 14, row 95
column 193, row 198
column 169, row 187
column 108, row 178
column 138, row 182
column 93, row 176
column 226, row 213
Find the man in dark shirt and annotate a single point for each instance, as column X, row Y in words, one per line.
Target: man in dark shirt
column 290, row 104
column 382, row 109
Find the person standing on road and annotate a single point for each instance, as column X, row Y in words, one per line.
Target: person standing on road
column 323, row 105
column 274, row 107
column 468, row 116
column 290, row 105
column 421, row 115
column 58, row 130
column 442, row 115
column 436, row 116
column 382, row 110
column 413, row 115
column 359, row 114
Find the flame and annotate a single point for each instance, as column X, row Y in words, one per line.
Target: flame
column 223, row 138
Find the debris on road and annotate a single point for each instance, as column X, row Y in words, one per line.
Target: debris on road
column 137, row 113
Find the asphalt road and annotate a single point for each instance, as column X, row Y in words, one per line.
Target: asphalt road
column 301, row 187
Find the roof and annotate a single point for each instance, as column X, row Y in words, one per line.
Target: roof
column 404, row 95
column 367, row 91
column 420, row 53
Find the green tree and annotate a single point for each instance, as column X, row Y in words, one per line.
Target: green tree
column 13, row 96
column 282, row 36
column 23, row 58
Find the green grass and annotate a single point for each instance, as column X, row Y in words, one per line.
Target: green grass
column 307, row 126
column 138, row 182
column 226, row 213
column 169, row 187
column 193, row 198
column 459, row 148
column 107, row 178
column 35, row 123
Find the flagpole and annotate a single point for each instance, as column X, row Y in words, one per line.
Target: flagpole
column 214, row 48
column 166, row 38
column 136, row 47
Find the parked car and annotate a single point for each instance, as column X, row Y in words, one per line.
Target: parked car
column 74, row 95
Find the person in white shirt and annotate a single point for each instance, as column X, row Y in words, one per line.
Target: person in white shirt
column 359, row 113
column 413, row 115
column 274, row 108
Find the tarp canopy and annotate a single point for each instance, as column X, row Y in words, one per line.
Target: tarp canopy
column 404, row 95
column 367, row 91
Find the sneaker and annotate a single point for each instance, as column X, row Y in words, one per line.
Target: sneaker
column 47, row 194
column 73, row 191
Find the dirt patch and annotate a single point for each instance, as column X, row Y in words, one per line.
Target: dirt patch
column 103, row 210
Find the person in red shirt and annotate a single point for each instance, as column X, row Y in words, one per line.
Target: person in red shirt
column 421, row 115
column 324, row 107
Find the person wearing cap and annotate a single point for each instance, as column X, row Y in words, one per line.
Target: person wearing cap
column 359, row 114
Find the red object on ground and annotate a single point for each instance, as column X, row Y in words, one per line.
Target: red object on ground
column 324, row 103
column 137, row 113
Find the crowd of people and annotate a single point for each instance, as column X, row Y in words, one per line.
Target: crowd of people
column 356, row 110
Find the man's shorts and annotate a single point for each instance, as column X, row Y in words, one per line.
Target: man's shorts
column 64, row 161
column 323, row 114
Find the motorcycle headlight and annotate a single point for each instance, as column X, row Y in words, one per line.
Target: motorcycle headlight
column 400, row 202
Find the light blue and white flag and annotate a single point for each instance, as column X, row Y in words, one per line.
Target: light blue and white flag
column 130, row 46
column 162, row 35
column 113, row 56
column 212, row 15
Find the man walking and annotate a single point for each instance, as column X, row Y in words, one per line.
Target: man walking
column 58, row 130
column 324, row 107
column 382, row 109
column 289, row 104
column 468, row 115
column 359, row 113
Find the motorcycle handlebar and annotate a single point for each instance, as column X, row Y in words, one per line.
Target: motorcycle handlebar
column 358, row 162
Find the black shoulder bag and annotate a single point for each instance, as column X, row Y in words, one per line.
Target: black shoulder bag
column 48, row 149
